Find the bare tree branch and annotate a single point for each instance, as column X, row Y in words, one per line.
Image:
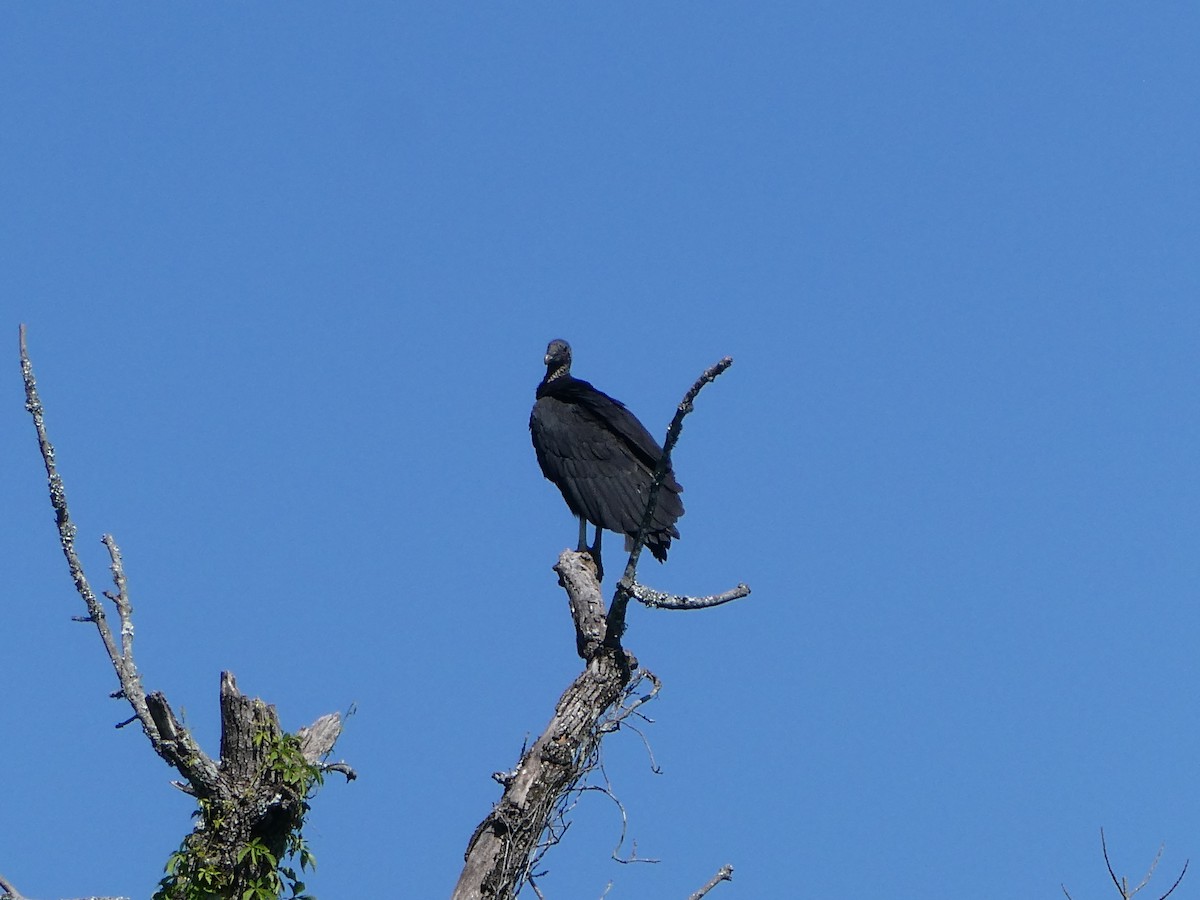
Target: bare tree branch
column 250, row 796
column 170, row 740
column 725, row 873
column 126, row 672
column 648, row 596
column 1122, row 884
column 1149, row 872
column 120, row 599
column 1177, row 880
column 10, row 892
column 616, row 615
column 1111, row 873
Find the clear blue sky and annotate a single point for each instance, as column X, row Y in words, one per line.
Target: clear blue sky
column 289, row 271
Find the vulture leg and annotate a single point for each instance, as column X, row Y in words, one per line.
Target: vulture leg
column 595, row 551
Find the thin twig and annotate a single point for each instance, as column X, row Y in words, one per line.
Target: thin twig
column 1122, row 884
column 121, row 598
column 1111, row 873
column 1177, row 880
column 607, row 790
column 622, row 710
column 648, row 596
column 616, row 615
column 340, row 767
column 1150, row 871
column 654, row 766
column 725, row 873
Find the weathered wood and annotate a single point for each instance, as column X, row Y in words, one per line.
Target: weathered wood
column 255, row 802
column 578, row 574
column 498, row 856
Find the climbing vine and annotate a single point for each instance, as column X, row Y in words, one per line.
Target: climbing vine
column 262, row 863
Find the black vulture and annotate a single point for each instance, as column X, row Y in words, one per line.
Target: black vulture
column 601, row 457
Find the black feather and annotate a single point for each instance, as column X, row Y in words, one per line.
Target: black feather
column 600, row 456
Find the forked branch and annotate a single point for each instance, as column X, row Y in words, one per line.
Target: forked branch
column 1122, row 883
column 250, row 796
column 121, row 655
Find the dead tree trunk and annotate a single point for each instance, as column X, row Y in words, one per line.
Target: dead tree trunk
column 252, row 812
column 500, row 851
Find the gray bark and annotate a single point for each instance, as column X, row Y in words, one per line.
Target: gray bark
column 499, row 853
